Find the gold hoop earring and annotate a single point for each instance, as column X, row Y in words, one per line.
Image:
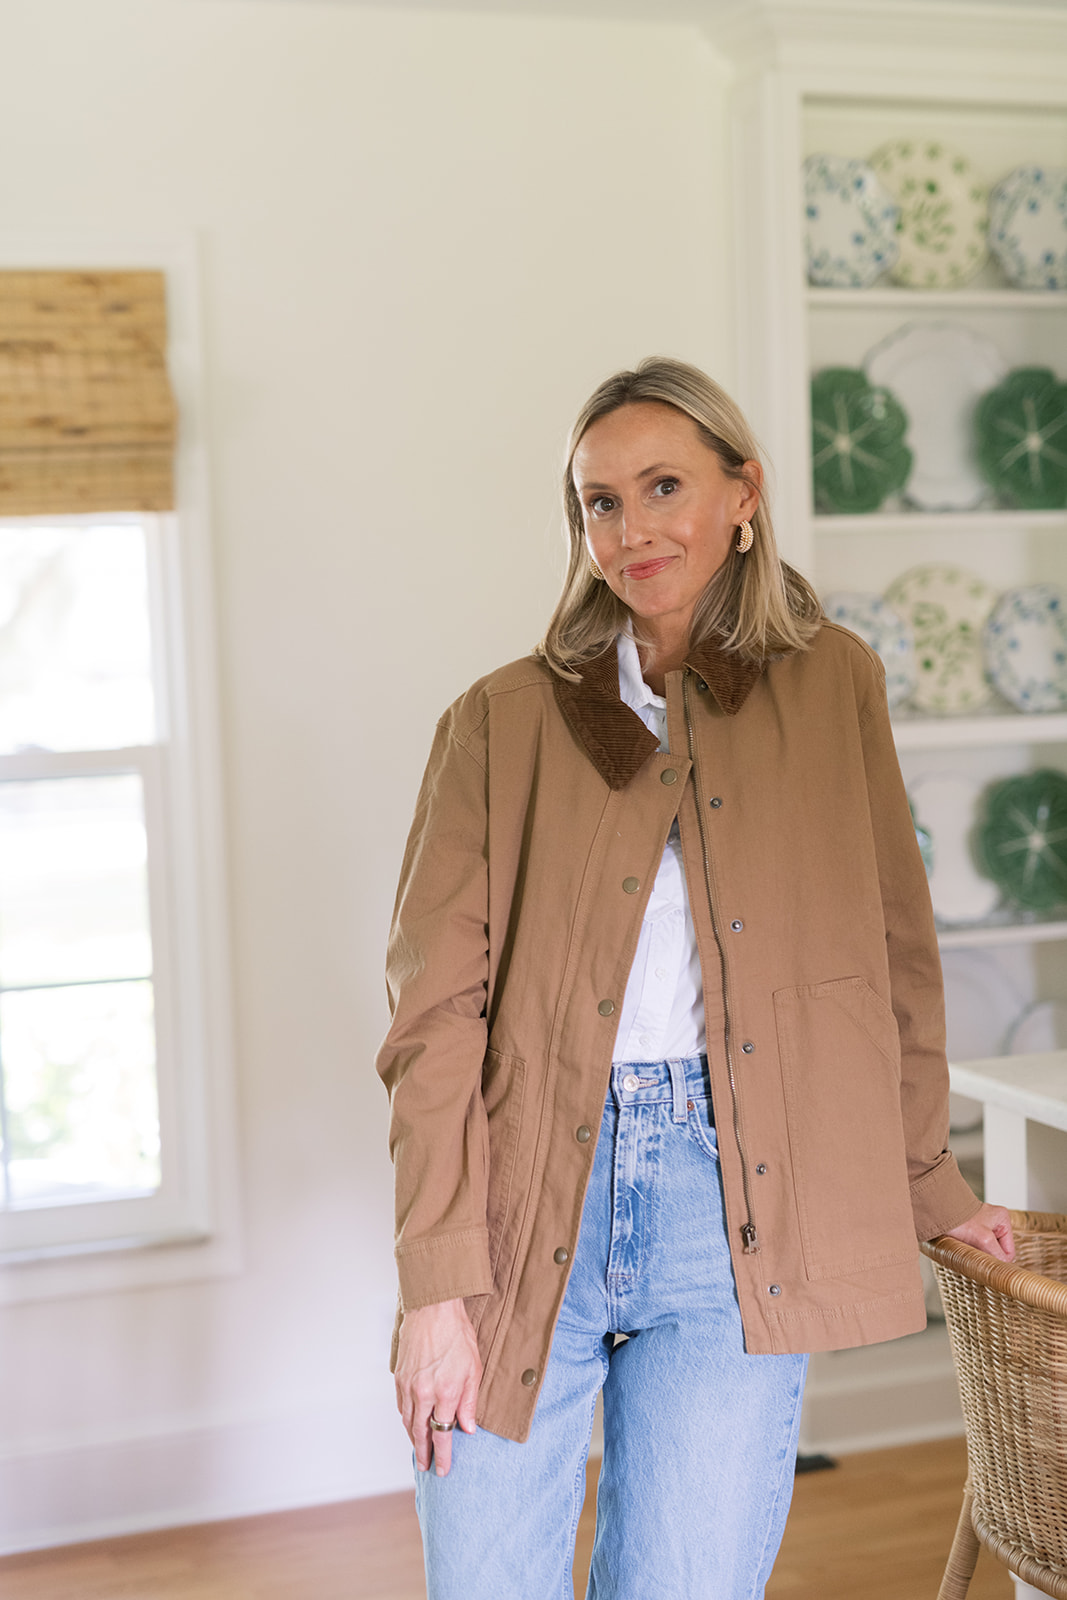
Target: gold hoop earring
column 746, row 537
column 595, row 570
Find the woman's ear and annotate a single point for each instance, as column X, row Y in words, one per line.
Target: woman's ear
column 752, row 486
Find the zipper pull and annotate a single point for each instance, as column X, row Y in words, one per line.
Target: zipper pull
column 748, row 1236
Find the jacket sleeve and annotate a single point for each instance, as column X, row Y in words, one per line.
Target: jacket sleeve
column 431, row 1060
column 940, row 1197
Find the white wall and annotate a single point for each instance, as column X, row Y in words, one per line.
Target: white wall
column 425, row 237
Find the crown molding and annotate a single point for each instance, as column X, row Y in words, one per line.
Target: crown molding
column 977, row 40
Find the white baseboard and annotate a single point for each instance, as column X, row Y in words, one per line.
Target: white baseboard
column 183, row 1471
column 882, row 1395
column 178, row 1472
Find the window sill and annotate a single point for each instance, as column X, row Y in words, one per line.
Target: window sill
column 104, row 1266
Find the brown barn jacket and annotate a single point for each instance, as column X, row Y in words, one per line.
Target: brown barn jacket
column 515, row 928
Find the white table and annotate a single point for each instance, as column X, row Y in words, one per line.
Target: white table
column 1021, row 1170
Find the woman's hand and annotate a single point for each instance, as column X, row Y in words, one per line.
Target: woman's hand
column 438, row 1371
column 988, row 1230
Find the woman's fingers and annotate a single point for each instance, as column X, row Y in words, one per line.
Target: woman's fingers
column 437, row 1374
column 988, row 1230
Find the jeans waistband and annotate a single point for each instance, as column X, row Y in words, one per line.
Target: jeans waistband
column 654, row 1082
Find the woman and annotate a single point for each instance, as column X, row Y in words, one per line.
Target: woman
column 667, row 1054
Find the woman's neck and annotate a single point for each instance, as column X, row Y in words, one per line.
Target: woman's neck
column 665, row 651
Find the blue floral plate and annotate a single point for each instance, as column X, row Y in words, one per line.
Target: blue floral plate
column 1028, row 227
column 887, row 633
column 1025, row 644
column 850, row 221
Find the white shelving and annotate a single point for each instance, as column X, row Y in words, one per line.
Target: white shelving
column 949, row 300
column 982, row 520
column 989, row 935
column 961, row 733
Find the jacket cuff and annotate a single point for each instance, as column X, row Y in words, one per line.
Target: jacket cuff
column 942, row 1198
column 450, row 1266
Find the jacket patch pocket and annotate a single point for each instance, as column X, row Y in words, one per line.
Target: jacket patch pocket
column 840, row 1057
column 503, row 1085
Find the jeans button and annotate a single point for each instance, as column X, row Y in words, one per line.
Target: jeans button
column 630, row 1083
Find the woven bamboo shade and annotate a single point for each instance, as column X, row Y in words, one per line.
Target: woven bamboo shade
column 87, row 418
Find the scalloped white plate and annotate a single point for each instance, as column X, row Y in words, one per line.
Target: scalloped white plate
column 939, row 371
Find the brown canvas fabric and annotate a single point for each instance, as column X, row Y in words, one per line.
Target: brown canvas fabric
column 509, row 957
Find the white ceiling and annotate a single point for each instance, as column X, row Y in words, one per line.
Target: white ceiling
column 695, row 11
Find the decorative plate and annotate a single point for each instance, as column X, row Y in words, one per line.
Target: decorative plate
column 943, row 212
column 851, row 223
column 982, row 1000
column 1042, row 1026
column 1026, row 647
column 1023, row 838
column 887, row 633
column 948, row 608
column 945, row 804
column 1028, row 227
column 1021, row 429
column 939, row 371
column 857, row 448
column 925, row 840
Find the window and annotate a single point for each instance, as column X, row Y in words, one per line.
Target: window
column 115, row 1127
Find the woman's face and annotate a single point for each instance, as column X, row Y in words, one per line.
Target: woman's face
column 660, row 513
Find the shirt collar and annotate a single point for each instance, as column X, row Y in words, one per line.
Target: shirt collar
column 633, row 690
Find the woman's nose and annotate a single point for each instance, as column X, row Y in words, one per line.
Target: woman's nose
column 634, row 529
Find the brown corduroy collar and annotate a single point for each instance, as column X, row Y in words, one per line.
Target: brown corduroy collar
column 612, row 735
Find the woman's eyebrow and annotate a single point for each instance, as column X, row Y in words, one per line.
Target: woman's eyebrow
column 646, row 472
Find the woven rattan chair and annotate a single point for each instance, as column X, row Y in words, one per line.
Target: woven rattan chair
column 1008, row 1327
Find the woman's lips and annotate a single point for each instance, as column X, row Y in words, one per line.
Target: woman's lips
column 647, row 569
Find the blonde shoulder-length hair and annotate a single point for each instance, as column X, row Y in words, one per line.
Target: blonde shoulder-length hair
column 756, row 606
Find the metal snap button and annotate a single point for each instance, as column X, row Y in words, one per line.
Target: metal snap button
column 668, row 775
column 529, row 1377
column 561, row 1256
column 774, row 1288
column 583, row 1134
column 748, row 1047
column 631, row 885
column 715, row 802
column 701, row 686
column 606, row 1007
column 630, row 1083
column 737, row 924
column 761, row 1169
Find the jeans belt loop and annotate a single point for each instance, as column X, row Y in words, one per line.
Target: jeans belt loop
column 678, row 1090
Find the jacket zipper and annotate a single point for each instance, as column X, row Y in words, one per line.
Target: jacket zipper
column 749, row 1237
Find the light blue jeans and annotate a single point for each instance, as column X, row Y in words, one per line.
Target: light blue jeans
column 700, row 1439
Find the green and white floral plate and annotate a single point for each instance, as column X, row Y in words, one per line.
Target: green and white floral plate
column 1022, row 840
column 857, row 441
column 948, row 608
column 944, row 212
column 1021, row 429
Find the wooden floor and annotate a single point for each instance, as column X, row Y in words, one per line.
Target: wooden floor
column 877, row 1527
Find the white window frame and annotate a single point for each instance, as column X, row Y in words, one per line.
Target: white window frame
column 188, row 1228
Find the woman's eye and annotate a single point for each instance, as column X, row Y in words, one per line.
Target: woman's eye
column 601, row 505
column 666, row 486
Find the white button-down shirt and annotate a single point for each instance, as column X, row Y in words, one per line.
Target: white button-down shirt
column 663, row 1008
